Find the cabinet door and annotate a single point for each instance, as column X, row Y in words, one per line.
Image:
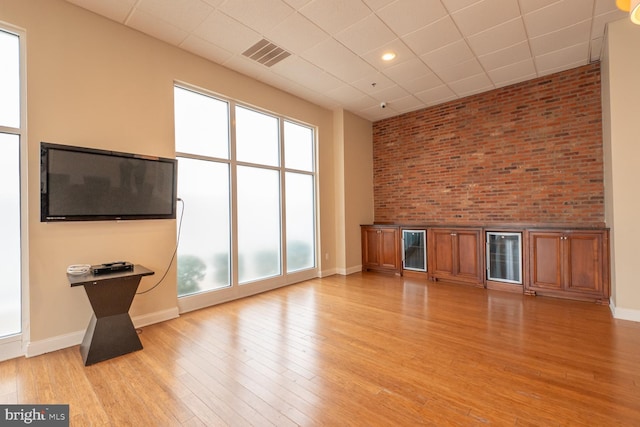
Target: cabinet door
column 584, row 262
column 389, row 248
column 546, row 260
column 468, row 254
column 441, row 261
column 370, row 252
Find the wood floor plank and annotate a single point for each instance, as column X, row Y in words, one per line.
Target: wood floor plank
column 359, row 350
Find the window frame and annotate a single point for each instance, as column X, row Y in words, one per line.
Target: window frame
column 16, row 345
column 235, row 290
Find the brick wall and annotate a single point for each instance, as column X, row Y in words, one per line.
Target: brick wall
column 526, row 153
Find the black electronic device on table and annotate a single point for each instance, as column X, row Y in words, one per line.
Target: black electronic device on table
column 111, row 267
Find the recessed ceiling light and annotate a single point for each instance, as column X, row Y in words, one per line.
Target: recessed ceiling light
column 388, row 56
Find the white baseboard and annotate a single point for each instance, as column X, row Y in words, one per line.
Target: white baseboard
column 624, row 313
column 10, row 349
column 327, row 273
column 157, row 317
column 350, row 270
column 36, row 348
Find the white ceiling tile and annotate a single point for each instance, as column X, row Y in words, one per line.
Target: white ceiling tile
column 605, row 6
column 562, row 67
column 448, row 56
column 227, row 33
column 305, row 73
column 499, row 37
column 376, row 113
column 373, row 83
column 406, row 104
column 336, row 45
column 245, row 66
column 361, row 103
column 297, row 4
column 116, row 10
column 557, row 16
column 433, row 36
column 377, row 4
column 504, row 57
column 335, row 15
column 567, row 36
column 403, row 53
column 366, row 35
column 471, row 85
column 296, row 34
column 460, row 71
column 298, row 90
column 346, row 93
column 422, row 83
column 454, row 5
column 600, row 21
column 578, row 54
column 406, row 16
column 156, row 27
column 436, row 95
column 390, row 93
column 528, row 6
column 484, row 15
column 184, row 14
column 339, row 61
column 260, row 15
column 206, row 49
column 214, row 3
column 407, row 70
column 513, row 73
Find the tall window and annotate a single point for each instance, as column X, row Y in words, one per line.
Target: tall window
column 247, row 180
column 10, row 132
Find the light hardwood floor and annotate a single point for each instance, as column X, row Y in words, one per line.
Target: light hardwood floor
column 362, row 350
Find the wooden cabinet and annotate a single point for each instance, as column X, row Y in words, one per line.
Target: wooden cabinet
column 455, row 254
column 569, row 264
column 381, row 248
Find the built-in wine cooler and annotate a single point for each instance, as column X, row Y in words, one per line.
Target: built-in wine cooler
column 414, row 255
column 504, row 257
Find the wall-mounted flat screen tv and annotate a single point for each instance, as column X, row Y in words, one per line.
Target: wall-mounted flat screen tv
column 87, row 184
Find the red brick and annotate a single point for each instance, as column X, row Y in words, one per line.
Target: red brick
column 530, row 152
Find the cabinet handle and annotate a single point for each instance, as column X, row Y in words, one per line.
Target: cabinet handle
column 453, row 234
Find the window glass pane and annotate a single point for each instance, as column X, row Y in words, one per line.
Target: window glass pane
column 9, row 80
column 204, row 251
column 258, row 223
column 300, row 221
column 10, row 286
column 256, row 138
column 201, row 124
column 298, row 147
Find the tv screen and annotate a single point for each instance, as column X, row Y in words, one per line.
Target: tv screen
column 86, row 184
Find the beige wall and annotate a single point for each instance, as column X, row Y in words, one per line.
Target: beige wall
column 358, row 186
column 621, row 110
column 353, row 193
column 96, row 83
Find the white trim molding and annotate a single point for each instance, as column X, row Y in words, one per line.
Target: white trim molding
column 10, row 348
column 36, row 348
column 624, row 313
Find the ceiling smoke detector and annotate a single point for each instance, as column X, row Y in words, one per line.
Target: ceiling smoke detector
column 266, row 53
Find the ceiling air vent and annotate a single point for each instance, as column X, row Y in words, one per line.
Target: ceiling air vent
column 266, row 53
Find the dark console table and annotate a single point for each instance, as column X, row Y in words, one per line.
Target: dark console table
column 110, row 332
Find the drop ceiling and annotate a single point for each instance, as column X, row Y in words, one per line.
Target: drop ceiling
column 445, row 49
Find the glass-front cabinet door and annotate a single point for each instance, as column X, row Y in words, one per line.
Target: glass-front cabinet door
column 504, row 257
column 414, row 255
